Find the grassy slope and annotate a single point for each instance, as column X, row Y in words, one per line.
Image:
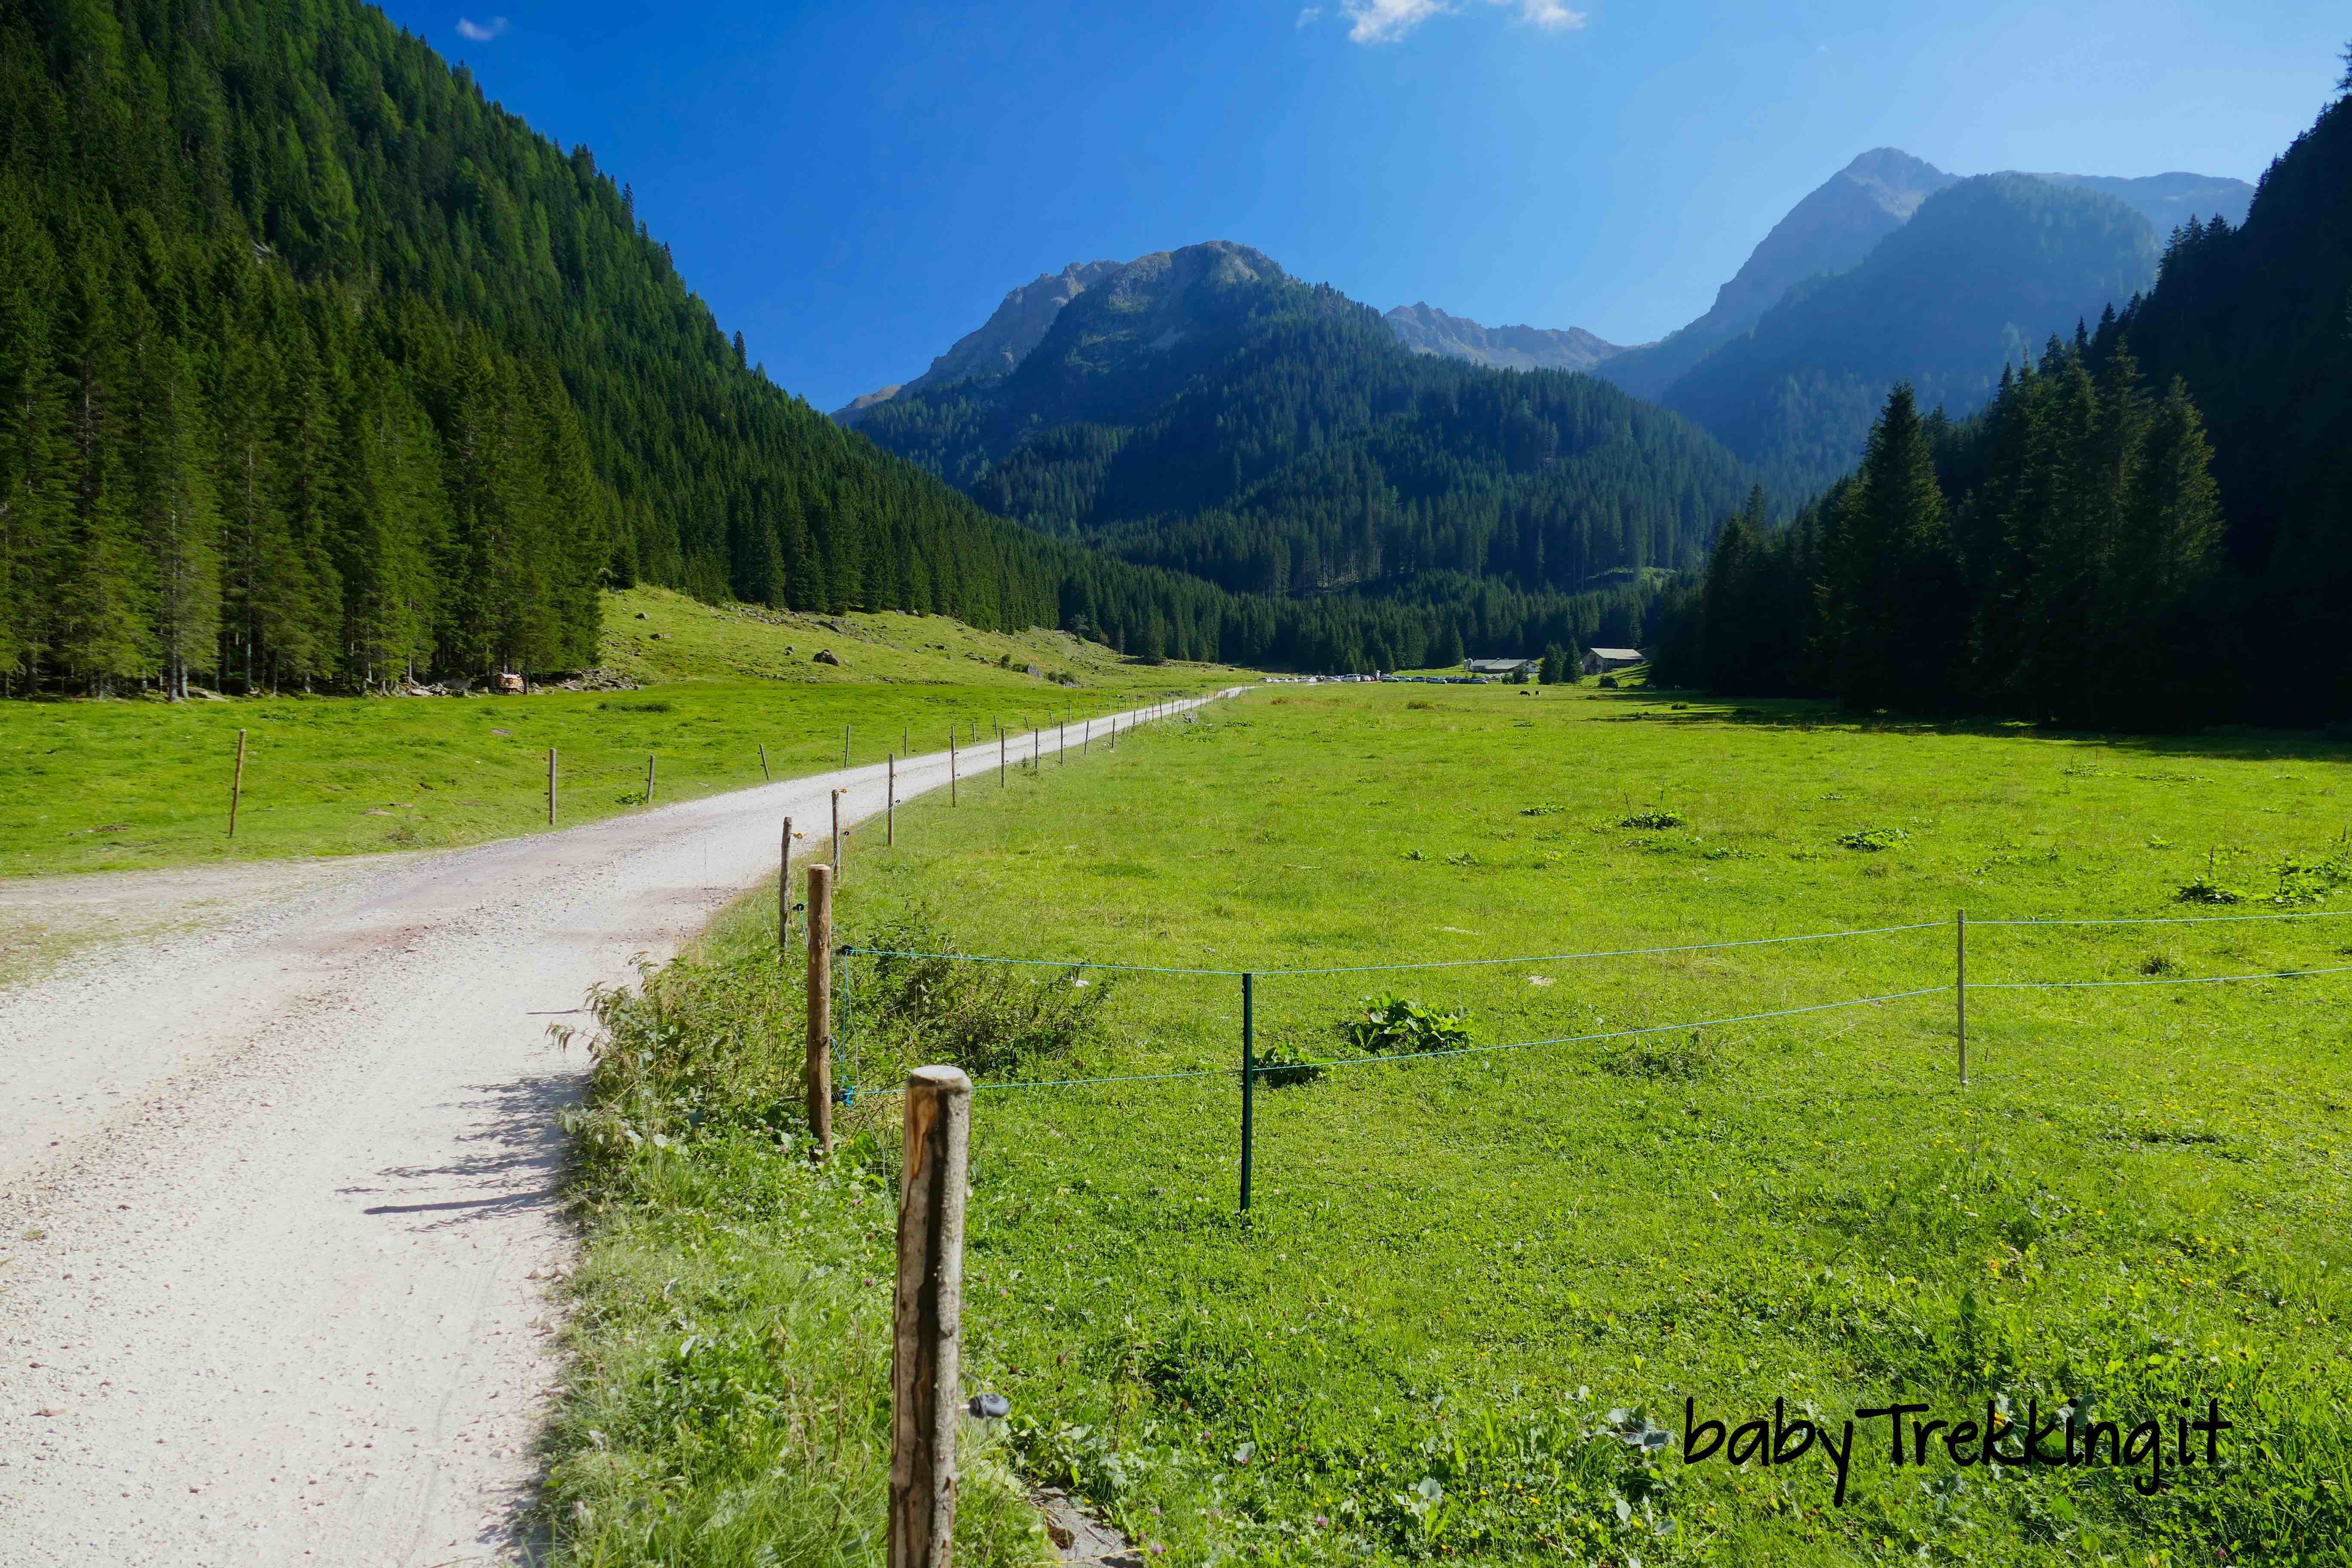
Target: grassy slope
column 1457, row 1266
column 102, row 785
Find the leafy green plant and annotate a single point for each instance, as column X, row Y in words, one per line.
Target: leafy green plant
column 1282, row 1066
column 1873, row 840
column 1391, row 1024
column 1659, row 818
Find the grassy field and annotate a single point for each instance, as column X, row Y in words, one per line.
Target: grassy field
column 112, row 784
column 1477, row 1293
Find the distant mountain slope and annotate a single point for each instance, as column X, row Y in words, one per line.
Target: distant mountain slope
column 1979, row 278
column 1831, row 230
column 2167, row 201
column 1203, row 410
column 998, row 344
column 1427, row 330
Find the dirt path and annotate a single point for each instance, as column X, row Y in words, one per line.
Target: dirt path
column 278, row 1193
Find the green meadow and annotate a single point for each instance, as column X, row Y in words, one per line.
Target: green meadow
column 113, row 785
column 1478, row 1294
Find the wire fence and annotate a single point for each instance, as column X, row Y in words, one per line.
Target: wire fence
column 1252, row 1067
column 264, row 771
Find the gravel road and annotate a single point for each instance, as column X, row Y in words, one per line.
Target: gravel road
column 279, row 1220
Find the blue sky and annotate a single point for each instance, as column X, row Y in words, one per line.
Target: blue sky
column 854, row 185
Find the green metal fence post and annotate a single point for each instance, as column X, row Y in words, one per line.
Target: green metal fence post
column 1249, row 1078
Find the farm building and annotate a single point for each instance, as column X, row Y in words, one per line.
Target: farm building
column 1602, row 660
column 1503, row 669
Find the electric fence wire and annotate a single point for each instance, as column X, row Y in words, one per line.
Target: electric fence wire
column 1261, row 1071
column 2172, row 920
column 2158, row 980
column 1430, row 963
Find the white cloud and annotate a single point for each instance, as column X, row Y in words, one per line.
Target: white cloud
column 483, row 32
column 1310, row 16
column 1387, row 21
column 1551, row 15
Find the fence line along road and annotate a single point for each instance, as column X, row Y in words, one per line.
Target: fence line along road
column 1250, row 1070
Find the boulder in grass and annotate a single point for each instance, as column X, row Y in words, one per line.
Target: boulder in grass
column 826, row 656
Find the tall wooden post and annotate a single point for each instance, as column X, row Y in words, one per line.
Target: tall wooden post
column 764, row 774
column 951, row 765
column 236, row 784
column 927, row 1319
column 817, row 1077
column 1249, row 1080
column 1960, row 987
column 784, row 893
column 550, row 786
column 1000, row 756
column 845, row 745
column 890, row 808
column 1062, row 740
column 649, row 778
column 836, row 833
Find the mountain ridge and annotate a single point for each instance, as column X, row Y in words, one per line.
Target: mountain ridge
column 1427, row 330
column 1205, row 411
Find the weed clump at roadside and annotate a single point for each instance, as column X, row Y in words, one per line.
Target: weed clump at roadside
column 727, row 1400
column 917, row 1001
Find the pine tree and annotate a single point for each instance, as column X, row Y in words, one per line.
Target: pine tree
column 1890, row 575
column 169, row 495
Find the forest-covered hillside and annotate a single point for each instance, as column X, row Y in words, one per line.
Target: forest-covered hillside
column 317, row 369
column 2257, row 322
column 1204, row 411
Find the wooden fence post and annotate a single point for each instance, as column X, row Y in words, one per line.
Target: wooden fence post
column 927, row 1319
column 649, row 778
column 951, row 765
column 836, row 833
column 1061, row 739
column 550, row 786
column 764, row 774
column 1000, row 756
column 784, row 893
column 818, row 1076
column 845, row 745
column 236, row 784
column 890, row 808
column 1960, row 987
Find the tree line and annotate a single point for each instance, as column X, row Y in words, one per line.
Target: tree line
column 2089, row 550
column 2057, row 557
